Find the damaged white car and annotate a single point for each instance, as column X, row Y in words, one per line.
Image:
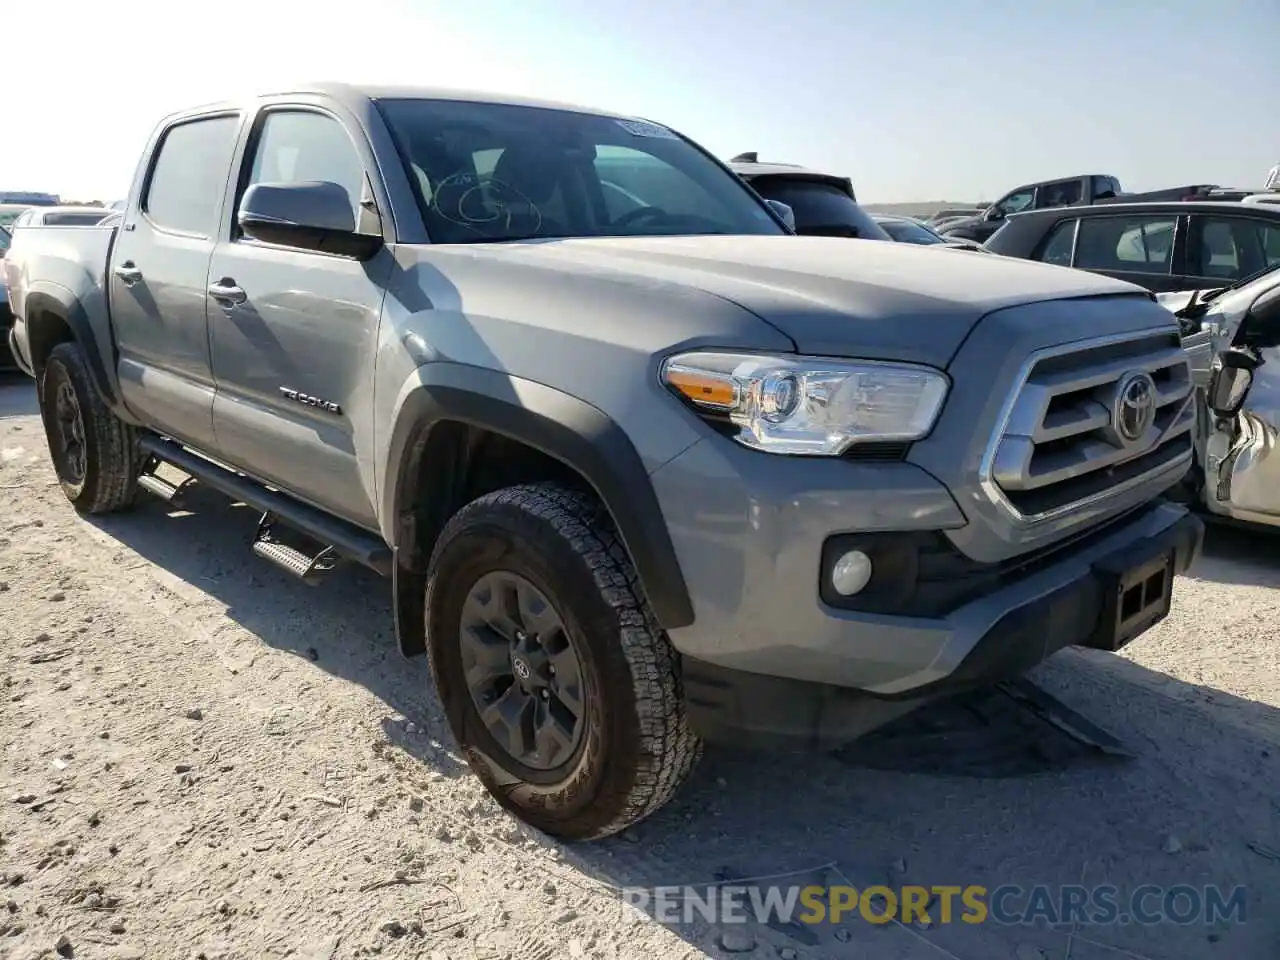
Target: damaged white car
column 1233, row 335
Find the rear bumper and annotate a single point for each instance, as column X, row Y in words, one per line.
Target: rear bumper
column 1072, row 604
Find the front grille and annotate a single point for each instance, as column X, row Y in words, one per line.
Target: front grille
column 1078, row 428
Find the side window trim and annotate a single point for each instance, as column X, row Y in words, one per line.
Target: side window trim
column 153, row 161
column 249, row 155
column 1075, row 240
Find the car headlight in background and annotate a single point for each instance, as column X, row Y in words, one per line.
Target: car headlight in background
column 811, row 406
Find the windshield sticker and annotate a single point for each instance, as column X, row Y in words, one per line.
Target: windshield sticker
column 643, row 128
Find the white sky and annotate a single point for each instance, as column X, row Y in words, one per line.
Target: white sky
column 926, row 100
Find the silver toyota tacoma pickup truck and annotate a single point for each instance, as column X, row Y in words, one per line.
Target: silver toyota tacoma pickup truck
column 643, row 468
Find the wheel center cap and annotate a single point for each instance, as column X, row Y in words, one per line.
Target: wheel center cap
column 521, row 667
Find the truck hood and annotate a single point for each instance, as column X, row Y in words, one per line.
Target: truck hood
column 831, row 296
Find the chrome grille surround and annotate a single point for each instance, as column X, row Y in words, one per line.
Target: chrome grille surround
column 1056, row 449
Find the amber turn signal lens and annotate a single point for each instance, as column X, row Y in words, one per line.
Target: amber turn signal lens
column 703, row 389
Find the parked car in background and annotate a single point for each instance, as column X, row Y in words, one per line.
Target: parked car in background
column 29, row 198
column 1082, row 191
column 910, row 230
column 638, row 477
column 13, row 203
column 7, row 361
column 1237, row 466
column 1160, row 246
column 60, row 217
column 950, row 214
column 1068, row 191
column 1269, row 197
column 10, row 212
column 823, row 204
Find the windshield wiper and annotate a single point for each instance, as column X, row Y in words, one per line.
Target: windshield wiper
column 1214, row 294
column 533, row 236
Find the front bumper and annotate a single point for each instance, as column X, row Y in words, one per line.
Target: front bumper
column 766, row 653
column 743, row 708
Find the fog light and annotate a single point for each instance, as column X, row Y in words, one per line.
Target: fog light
column 851, row 573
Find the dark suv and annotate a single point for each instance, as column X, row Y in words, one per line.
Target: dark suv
column 824, row 204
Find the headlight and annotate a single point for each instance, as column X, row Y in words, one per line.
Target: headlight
column 809, row 405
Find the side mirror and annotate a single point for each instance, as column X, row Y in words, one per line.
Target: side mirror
column 785, row 212
column 310, row 215
column 1261, row 328
column 1230, row 380
column 993, row 213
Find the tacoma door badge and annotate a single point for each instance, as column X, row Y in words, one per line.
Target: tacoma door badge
column 328, row 406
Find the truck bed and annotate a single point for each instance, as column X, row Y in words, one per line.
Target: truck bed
column 72, row 257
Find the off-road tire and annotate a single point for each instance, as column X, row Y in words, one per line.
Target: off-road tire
column 637, row 748
column 112, row 457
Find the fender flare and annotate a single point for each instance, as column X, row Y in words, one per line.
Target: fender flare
column 62, row 303
column 579, row 435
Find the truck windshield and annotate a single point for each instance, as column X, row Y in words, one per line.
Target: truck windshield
column 488, row 172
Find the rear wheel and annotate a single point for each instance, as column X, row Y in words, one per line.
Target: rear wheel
column 559, row 685
column 95, row 454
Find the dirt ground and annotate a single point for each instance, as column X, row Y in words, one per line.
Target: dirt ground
column 204, row 758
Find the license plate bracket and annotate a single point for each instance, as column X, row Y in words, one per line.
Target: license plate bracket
column 1136, row 595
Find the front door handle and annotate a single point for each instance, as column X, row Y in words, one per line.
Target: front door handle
column 227, row 293
column 128, row 273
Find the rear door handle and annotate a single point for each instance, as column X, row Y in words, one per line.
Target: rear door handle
column 227, row 293
column 128, row 273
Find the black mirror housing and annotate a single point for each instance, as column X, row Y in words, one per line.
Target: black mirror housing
column 784, row 212
column 310, row 215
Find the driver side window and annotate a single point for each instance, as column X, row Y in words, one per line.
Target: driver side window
column 299, row 145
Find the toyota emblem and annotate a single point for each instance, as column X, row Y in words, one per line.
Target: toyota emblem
column 1134, row 409
column 521, row 668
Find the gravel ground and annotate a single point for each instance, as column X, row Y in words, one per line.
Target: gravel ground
column 204, row 758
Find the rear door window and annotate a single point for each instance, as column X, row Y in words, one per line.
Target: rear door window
column 1061, row 194
column 1060, row 244
column 1231, row 248
column 189, row 176
column 1126, row 244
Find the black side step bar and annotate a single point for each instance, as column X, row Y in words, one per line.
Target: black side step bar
column 162, row 488
column 347, row 540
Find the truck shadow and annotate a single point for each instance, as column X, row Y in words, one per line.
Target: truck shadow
column 1240, row 555
column 1204, row 771
column 17, row 395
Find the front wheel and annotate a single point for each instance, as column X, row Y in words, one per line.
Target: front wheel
column 95, row 454
column 559, row 685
